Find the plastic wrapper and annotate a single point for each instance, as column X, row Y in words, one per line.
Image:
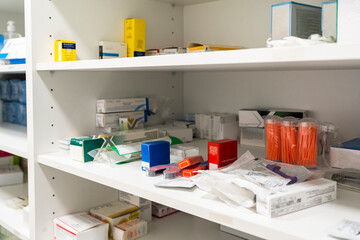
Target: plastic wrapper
column 273, row 138
column 289, row 140
column 328, row 136
column 307, row 135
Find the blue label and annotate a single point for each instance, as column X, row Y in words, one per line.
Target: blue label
column 68, row 46
column 139, row 54
column 110, row 54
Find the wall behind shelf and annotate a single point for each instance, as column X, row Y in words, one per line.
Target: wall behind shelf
column 329, row 95
column 15, row 16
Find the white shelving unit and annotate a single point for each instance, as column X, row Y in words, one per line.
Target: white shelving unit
column 13, row 139
column 19, row 68
column 13, row 220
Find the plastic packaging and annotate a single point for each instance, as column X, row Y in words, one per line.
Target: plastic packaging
column 328, row 136
column 273, row 136
column 11, row 31
column 289, row 138
column 5, row 90
column 307, row 135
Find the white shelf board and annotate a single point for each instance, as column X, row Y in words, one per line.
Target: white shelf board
column 184, row 226
column 15, row 68
column 186, row 2
column 13, row 139
column 329, row 56
column 11, row 219
column 310, row 223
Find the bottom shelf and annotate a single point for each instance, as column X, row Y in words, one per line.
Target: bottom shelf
column 11, row 219
column 184, row 226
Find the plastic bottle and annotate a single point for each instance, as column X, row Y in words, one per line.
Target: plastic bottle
column 11, row 31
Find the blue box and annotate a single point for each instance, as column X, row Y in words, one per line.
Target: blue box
column 5, row 90
column 154, row 154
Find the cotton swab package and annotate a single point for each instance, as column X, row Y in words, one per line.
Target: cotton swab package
column 273, row 144
column 308, row 130
column 289, row 138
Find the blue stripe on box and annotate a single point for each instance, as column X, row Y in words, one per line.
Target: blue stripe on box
column 110, row 55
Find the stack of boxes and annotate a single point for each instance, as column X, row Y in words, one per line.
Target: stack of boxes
column 121, row 114
column 13, row 95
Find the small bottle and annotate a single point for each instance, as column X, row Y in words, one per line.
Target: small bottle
column 11, row 31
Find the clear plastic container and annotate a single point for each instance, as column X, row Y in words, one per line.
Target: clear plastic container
column 11, row 31
column 289, row 140
column 307, row 135
column 273, row 136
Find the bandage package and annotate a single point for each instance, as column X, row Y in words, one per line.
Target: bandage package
column 329, row 19
column 295, row 19
column 133, row 229
column 65, row 50
column 137, row 119
column 135, row 37
column 122, row 105
column 143, row 204
column 112, row 50
column 80, row 226
column 346, row 155
column 116, row 213
column 296, row 197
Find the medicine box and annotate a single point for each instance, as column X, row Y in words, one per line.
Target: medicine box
column 143, row 204
column 108, row 50
column 256, row 117
column 136, row 118
column 329, row 19
column 135, row 37
column 80, row 147
column 11, row 175
column 65, row 50
column 297, row 197
column 348, row 21
column 154, row 154
column 80, row 226
column 122, row 105
column 222, row 153
column 161, row 211
column 346, row 155
column 115, row 213
column 172, row 50
column 133, row 229
column 295, row 19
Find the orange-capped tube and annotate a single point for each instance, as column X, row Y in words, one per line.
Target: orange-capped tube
column 188, row 162
column 307, row 143
column 273, row 136
column 289, row 141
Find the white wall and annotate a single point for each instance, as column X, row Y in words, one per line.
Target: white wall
column 249, row 21
column 328, row 95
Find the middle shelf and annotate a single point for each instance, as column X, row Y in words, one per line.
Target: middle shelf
column 327, row 56
column 129, row 178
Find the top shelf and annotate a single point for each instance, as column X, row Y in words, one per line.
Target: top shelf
column 186, row 2
column 16, row 68
column 329, row 56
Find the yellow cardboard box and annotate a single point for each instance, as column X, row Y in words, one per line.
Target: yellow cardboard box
column 65, row 50
column 135, row 36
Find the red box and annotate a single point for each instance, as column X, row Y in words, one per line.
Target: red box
column 191, row 171
column 222, row 153
column 190, row 162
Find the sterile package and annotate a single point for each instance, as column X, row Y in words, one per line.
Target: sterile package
column 80, row 226
column 133, row 229
column 143, row 204
column 179, row 152
column 346, row 155
column 348, row 19
column 346, row 229
column 122, row 105
column 137, row 118
column 115, row 213
column 294, row 19
column 11, row 175
column 160, row 211
column 329, row 19
column 109, row 50
column 297, row 197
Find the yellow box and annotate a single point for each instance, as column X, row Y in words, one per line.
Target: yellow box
column 135, row 36
column 65, row 50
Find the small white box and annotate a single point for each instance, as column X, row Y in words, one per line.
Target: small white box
column 11, row 175
column 137, row 118
column 130, row 230
column 297, row 197
column 143, row 204
column 172, row 50
column 112, row 50
column 180, row 152
column 348, row 21
column 122, row 105
column 329, row 19
column 80, row 226
column 346, row 155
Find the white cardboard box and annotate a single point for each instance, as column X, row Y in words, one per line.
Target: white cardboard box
column 329, row 19
column 11, row 175
column 80, row 226
column 184, row 134
column 137, row 118
column 346, row 155
column 122, row 105
column 143, row 204
column 297, row 197
column 108, row 50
